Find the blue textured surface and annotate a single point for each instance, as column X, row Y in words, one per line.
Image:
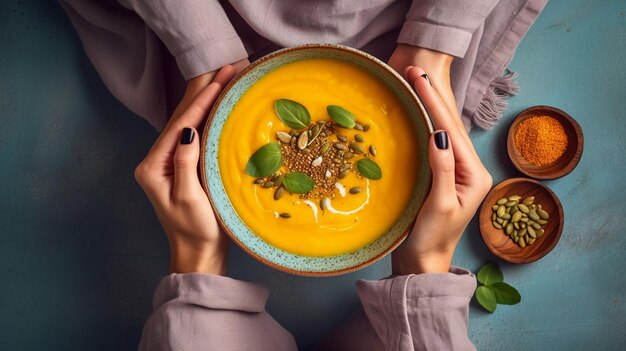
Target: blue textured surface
column 81, row 250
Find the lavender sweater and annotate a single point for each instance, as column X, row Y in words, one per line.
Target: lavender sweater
column 411, row 312
column 143, row 49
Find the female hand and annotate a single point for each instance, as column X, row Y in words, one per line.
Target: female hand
column 436, row 64
column 460, row 182
column 169, row 177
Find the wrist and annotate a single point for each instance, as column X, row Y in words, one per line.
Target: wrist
column 403, row 264
column 419, row 56
column 198, row 258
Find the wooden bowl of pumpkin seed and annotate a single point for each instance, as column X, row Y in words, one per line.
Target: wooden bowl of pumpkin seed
column 521, row 220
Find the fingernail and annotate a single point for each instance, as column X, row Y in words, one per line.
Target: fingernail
column 425, row 76
column 187, row 137
column 441, row 140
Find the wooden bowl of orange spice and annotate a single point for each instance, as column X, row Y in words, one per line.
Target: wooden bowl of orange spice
column 545, row 142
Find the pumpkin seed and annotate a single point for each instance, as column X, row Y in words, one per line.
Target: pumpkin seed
column 268, row 184
column 303, row 141
column 357, row 149
column 325, row 147
column 323, row 204
column 337, row 161
column 509, row 228
column 317, row 162
column 285, row 215
column 502, row 201
column 343, row 174
column 345, row 167
column 373, row 150
column 340, row 146
column 359, row 138
column 529, row 200
column 523, row 208
column 283, row 137
column 358, row 126
column 501, row 211
column 342, row 138
column 355, row 190
column 348, row 155
column 366, row 127
column 543, row 214
column 258, row 181
column 279, row 180
column 280, row 191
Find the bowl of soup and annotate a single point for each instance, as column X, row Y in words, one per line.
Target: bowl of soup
column 315, row 159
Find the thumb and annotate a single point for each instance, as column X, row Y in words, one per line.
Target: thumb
column 186, row 163
column 442, row 165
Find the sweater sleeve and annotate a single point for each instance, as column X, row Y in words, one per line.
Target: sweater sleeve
column 207, row 312
column 196, row 32
column 410, row 312
column 444, row 25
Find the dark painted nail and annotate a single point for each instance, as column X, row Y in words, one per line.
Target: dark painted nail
column 441, row 140
column 425, row 76
column 187, row 137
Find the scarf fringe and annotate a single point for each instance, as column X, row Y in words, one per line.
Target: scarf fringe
column 494, row 101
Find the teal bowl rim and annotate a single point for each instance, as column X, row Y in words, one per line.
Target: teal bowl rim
column 205, row 164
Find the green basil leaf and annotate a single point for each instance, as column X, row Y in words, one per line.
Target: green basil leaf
column 265, row 161
column 486, row 298
column 505, row 294
column 489, row 274
column 341, row 116
column 369, row 169
column 292, row 113
column 298, row 183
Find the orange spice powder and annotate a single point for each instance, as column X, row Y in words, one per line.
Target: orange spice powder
column 541, row 140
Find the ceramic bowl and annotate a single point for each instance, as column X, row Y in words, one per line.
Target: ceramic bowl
column 244, row 236
column 501, row 244
column 562, row 166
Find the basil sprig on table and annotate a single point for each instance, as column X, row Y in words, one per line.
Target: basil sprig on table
column 292, row 113
column 492, row 289
column 298, row 183
column 265, row 161
column 341, row 116
column 369, row 169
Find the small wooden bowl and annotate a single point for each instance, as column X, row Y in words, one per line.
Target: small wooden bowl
column 562, row 166
column 501, row 244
